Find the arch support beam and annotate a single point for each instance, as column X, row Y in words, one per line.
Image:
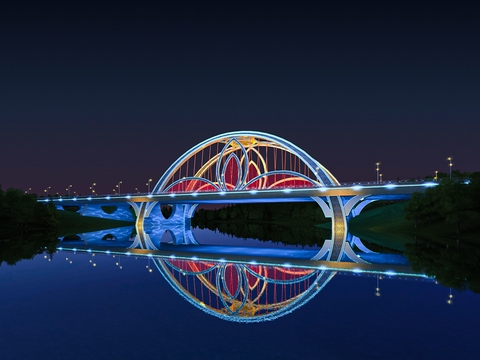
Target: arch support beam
column 324, row 206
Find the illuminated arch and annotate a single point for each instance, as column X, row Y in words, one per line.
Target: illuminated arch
column 243, row 160
column 240, row 292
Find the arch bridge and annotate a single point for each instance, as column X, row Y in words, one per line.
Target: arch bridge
column 242, row 166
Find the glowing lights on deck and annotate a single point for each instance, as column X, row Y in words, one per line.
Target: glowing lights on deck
column 301, row 192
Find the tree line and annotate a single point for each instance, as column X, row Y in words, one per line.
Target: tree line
column 455, row 201
column 453, row 266
column 287, row 223
column 16, row 247
column 308, row 213
column 291, row 235
column 22, row 210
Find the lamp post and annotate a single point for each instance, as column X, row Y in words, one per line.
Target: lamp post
column 377, row 289
column 136, row 189
column 68, row 189
column 378, row 172
column 48, row 188
column 436, row 175
column 118, row 186
column 91, row 188
column 450, row 159
column 450, row 298
column 381, row 178
column 148, row 183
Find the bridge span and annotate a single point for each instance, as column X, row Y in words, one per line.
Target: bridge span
column 243, row 166
column 374, row 192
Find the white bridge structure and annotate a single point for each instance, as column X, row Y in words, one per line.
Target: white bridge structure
column 236, row 167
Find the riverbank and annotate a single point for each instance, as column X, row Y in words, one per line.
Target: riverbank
column 72, row 223
column 387, row 225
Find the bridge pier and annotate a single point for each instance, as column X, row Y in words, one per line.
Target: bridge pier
column 152, row 224
column 340, row 210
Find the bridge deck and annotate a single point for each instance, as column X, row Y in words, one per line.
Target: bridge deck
column 388, row 269
column 272, row 195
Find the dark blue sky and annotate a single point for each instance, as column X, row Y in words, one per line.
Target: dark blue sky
column 107, row 93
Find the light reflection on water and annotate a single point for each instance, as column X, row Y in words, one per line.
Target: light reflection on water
column 109, row 306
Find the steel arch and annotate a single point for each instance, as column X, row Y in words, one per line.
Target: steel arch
column 322, row 177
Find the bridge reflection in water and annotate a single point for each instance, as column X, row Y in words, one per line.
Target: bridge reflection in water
column 239, row 283
column 243, row 292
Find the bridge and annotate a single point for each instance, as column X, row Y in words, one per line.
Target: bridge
column 243, row 166
column 241, row 288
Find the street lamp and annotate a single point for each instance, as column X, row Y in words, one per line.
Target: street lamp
column 91, row 188
column 381, row 180
column 68, row 189
column 436, row 175
column 118, row 186
column 377, row 289
column 136, row 189
column 48, row 188
column 450, row 298
column 148, row 183
column 450, row 159
column 378, row 171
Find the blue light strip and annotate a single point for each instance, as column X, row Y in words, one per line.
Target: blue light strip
column 258, row 192
column 310, row 267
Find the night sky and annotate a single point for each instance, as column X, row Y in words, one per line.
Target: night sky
column 103, row 93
